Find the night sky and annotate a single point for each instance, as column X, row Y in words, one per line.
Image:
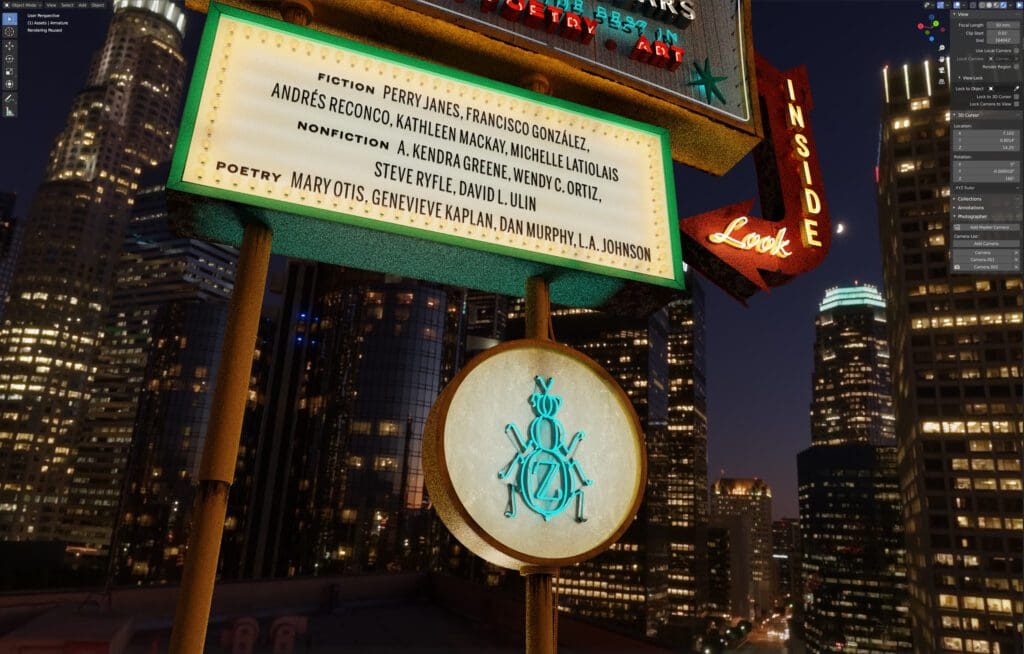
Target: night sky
column 759, row 358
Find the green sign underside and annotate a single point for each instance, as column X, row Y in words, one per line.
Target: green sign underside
column 333, row 237
column 407, row 256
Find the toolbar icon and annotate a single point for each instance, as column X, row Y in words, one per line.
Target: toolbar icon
column 10, row 105
column 9, row 18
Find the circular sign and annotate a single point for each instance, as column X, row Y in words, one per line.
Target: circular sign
column 534, row 456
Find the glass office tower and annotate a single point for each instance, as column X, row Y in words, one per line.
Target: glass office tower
column 168, row 288
column 122, row 123
column 956, row 364
column 852, row 399
column 750, row 499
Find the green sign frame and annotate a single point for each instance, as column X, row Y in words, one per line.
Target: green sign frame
column 333, row 237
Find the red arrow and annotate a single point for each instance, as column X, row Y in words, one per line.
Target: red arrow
column 729, row 245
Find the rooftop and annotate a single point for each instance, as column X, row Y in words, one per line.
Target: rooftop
column 370, row 613
column 863, row 295
column 170, row 11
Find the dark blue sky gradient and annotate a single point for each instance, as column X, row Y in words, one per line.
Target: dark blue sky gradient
column 759, row 358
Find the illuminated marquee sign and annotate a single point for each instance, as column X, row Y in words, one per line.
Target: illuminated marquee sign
column 340, row 136
column 534, row 456
column 743, row 253
column 662, row 47
column 647, row 41
column 681, row 64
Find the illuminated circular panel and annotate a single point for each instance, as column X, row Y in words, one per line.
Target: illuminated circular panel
column 534, row 456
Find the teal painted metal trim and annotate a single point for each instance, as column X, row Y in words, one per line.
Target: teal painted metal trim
column 500, row 264
column 866, row 295
column 678, row 266
column 195, row 95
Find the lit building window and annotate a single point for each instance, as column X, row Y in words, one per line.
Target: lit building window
column 388, row 427
column 382, row 463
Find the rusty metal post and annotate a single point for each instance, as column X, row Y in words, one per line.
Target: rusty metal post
column 217, row 469
column 540, row 608
column 540, row 612
column 538, row 308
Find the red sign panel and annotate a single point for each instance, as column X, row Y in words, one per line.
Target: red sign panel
column 743, row 253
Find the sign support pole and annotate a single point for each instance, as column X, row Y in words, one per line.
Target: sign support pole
column 540, row 611
column 220, row 453
column 217, row 470
column 538, row 309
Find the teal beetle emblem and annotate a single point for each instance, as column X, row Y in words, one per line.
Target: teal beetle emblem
column 546, row 473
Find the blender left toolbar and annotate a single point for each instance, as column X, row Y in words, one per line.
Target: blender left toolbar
column 9, row 59
column 21, row 20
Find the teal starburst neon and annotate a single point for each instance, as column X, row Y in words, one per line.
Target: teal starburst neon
column 708, row 82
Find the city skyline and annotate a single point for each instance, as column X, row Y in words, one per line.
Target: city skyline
column 861, row 425
column 119, row 125
column 739, row 443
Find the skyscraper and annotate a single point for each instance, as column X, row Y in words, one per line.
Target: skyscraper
column 394, row 343
column 955, row 342
column 10, row 243
column 750, row 499
column 329, row 475
column 486, row 320
column 852, row 399
column 236, row 539
column 122, row 123
column 854, row 581
column 728, row 548
column 786, row 558
column 682, row 460
column 168, row 289
column 853, row 552
column 269, row 521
